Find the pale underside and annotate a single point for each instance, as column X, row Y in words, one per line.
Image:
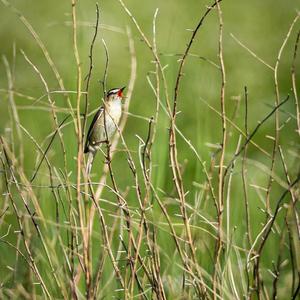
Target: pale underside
column 100, row 134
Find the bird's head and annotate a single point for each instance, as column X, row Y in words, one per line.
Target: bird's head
column 115, row 94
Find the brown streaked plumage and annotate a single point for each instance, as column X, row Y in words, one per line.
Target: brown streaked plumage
column 111, row 113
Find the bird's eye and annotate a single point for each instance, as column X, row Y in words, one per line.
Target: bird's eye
column 120, row 94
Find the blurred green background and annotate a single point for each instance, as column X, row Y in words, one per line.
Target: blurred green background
column 261, row 25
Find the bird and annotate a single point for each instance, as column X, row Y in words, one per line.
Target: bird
column 104, row 124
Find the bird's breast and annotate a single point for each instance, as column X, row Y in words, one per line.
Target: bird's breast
column 115, row 111
column 113, row 117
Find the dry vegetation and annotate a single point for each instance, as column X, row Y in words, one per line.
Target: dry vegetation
column 101, row 241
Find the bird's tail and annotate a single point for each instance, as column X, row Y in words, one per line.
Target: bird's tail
column 89, row 162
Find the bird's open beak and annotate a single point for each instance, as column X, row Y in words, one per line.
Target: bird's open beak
column 121, row 91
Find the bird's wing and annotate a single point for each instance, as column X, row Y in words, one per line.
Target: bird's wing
column 96, row 117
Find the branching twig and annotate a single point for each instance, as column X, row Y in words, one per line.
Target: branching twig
column 294, row 81
column 252, row 134
column 217, row 282
column 277, row 101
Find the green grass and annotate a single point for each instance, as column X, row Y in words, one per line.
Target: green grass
column 262, row 26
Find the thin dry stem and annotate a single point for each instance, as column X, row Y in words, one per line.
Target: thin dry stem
column 217, row 282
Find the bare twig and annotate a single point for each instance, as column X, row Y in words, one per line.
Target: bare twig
column 277, row 101
column 294, row 81
column 266, row 232
column 47, row 149
column 21, row 228
column 251, row 135
column 89, row 75
column 13, row 107
column 82, row 219
column 105, row 72
column 217, row 282
column 252, row 53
